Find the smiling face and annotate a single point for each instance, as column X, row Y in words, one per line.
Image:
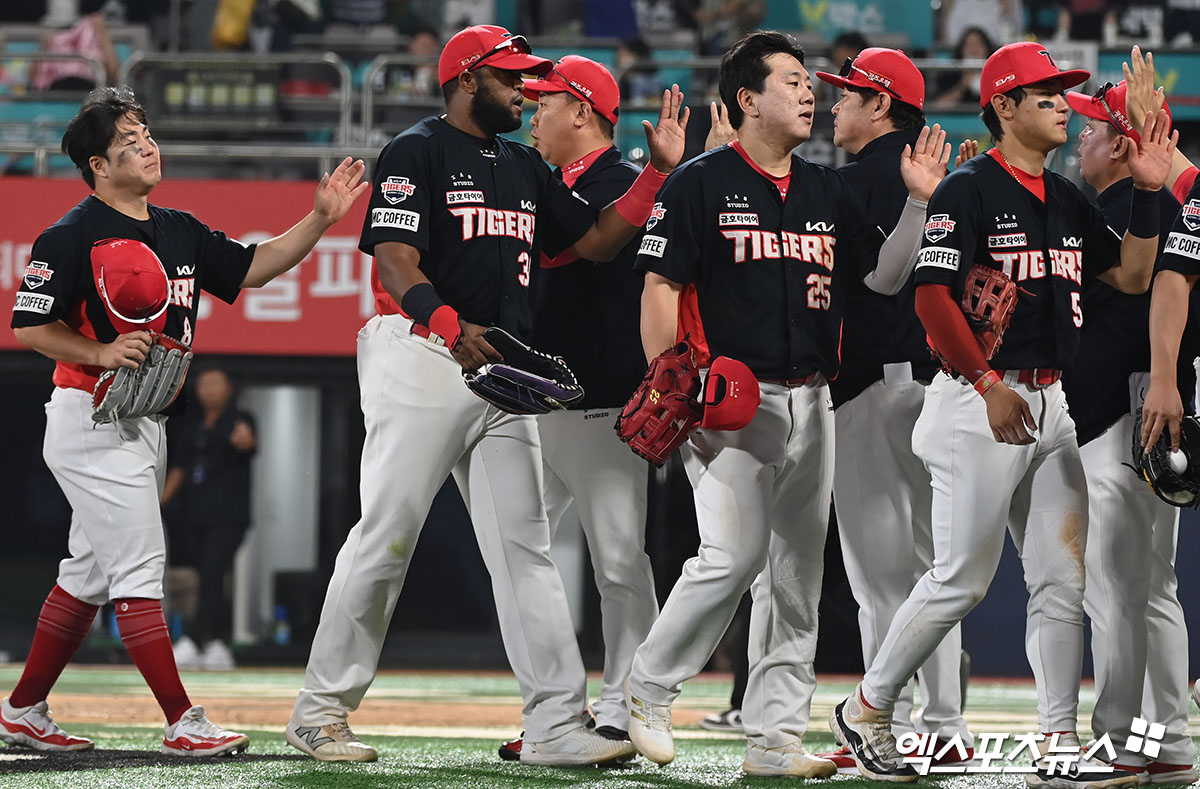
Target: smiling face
column 496, row 104
column 784, row 108
column 131, row 164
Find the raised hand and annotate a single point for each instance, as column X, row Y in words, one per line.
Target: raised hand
column 924, row 166
column 721, row 133
column 1140, row 96
column 337, row 192
column 967, row 150
column 666, row 140
column 1150, row 161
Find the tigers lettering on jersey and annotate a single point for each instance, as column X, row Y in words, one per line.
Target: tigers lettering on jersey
column 37, row 274
column 766, row 245
column 182, row 291
column 495, row 222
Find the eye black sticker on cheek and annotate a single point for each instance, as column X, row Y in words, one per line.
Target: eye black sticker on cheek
column 1045, row 105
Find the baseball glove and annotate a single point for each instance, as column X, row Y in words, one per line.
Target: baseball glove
column 1174, row 477
column 124, row 393
column 664, row 410
column 527, row 381
column 989, row 298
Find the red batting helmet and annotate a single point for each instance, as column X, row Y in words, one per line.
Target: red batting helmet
column 132, row 284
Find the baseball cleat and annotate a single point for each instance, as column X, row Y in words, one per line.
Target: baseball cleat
column 32, row 727
column 791, row 760
column 195, row 735
column 843, row 759
column 1177, row 774
column 729, row 720
column 333, row 742
column 1051, row 771
column 511, row 751
column 577, row 748
column 650, row 728
column 867, row 733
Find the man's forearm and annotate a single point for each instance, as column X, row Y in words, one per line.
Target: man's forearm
column 61, row 343
column 660, row 315
column 898, row 255
column 1168, row 317
column 279, row 254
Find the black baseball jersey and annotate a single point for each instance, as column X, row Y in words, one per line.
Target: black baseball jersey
column 587, row 312
column 981, row 214
column 59, row 283
column 765, row 279
column 1115, row 342
column 471, row 205
column 880, row 329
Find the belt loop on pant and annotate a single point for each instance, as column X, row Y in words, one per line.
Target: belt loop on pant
column 789, row 383
column 1038, row 377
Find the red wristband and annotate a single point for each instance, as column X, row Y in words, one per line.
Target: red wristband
column 987, row 381
column 444, row 323
column 635, row 205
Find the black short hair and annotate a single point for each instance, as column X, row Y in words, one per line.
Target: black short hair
column 94, row 127
column 992, row 121
column 745, row 66
column 904, row 115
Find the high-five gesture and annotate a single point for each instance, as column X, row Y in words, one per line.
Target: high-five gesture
column 337, row 192
column 666, row 140
column 1150, row 160
column 1141, row 98
column 924, row 166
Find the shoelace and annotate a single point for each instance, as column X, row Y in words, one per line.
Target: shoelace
column 202, row 726
column 656, row 720
column 341, row 729
column 39, row 716
column 882, row 741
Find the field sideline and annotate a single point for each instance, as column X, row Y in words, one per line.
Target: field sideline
column 432, row 729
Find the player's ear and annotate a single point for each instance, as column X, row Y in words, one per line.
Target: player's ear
column 468, row 82
column 583, row 113
column 99, row 165
column 1121, row 147
column 1003, row 105
column 883, row 105
column 745, row 99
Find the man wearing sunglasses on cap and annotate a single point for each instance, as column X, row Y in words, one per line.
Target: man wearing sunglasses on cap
column 994, row 432
column 881, row 490
column 1139, row 637
column 587, row 312
column 457, row 218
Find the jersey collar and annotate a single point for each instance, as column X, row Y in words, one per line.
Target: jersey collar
column 571, row 173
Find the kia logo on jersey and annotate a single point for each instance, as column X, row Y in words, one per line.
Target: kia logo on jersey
column 37, row 274
column 1191, row 214
column 938, row 227
column 396, row 189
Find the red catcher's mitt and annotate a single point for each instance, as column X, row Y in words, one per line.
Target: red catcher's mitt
column 989, row 298
column 664, row 410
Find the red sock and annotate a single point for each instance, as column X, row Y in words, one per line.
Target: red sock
column 61, row 628
column 864, row 701
column 144, row 631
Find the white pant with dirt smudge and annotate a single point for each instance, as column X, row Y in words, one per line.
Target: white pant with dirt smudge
column 979, row 486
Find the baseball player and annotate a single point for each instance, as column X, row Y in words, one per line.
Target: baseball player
column 587, row 312
column 100, row 279
column 996, row 436
column 1138, row 629
column 455, row 224
column 881, row 490
column 750, row 255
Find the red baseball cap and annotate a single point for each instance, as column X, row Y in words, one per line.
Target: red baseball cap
column 731, row 395
column 1108, row 104
column 132, row 284
column 1016, row 65
column 584, row 79
column 491, row 45
column 882, row 70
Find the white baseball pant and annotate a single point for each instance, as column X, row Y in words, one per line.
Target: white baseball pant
column 762, row 505
column 1138, row 628
column 882, row 494
column 584, row 461
column 112, row 475
column 979, row 485
column 423, row 423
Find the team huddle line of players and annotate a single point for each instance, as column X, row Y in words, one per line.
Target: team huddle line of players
column 830, row 286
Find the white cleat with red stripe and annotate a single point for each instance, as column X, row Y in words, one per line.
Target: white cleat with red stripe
column 195, row 735
column 32, row 727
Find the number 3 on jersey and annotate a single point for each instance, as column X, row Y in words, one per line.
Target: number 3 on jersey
column 523, row 277
column 818, row 291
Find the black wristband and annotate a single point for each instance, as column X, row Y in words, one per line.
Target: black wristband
column 1143, row 214
column 419, row 302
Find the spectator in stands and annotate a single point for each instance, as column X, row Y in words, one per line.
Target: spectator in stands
column 639, row 80
column 845, row 46
column 419, row 80
column 1004, row 18
column 722, row 22
column 87, row 36
column 209, row 476
column 665, row 18
column 962, row 87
